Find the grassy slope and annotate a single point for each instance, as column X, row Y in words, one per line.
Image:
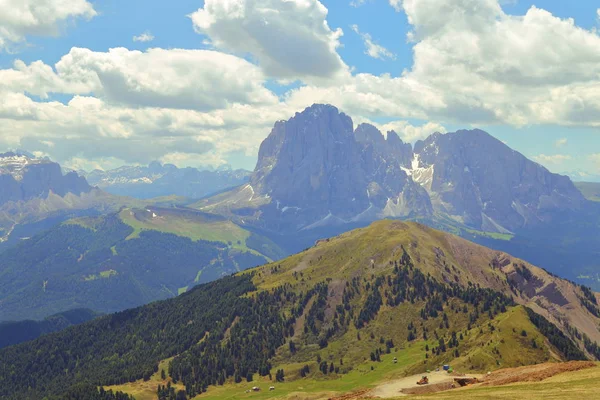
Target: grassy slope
column 218, row 230
column 591, row 190
column 512, row 348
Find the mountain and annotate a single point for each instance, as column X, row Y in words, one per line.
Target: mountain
column 35, row 195
column 23, row 178
column 316, row 170
column 324, row 321
column 15, row 332
column 158, row 180
column 122, row 260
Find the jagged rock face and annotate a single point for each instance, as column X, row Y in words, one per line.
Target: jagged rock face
column 312, row 162
column 23, row 178
column 313, row 170
column 472, row 176
column 317, row 170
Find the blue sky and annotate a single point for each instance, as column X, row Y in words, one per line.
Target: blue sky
column 85, row 110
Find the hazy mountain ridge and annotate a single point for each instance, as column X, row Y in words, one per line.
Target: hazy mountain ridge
column 157, row 180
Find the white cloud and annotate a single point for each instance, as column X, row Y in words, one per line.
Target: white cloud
column 561, row 142
column 183, row 79
column 492, row 67
column 357, row 3
column 373, row 49
column 290, row 39
column 21, row 18
column 91, row 129
column 144, row 37
column 555, row 159
column 135, row 107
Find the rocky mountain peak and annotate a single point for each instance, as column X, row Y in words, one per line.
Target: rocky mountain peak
column 367, row 133
column 23, row 178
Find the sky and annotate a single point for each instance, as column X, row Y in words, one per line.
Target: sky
column 99, row 84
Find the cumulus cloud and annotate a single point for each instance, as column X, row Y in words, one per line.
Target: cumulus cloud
column 144, row 37
column 518, row 69
column 290, row 39
column 91, row 129
column 182, row 79
column 136, row 107
column 21, row 18
column 373, row 49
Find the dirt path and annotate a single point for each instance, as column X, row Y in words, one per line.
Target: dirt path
column 394, row 389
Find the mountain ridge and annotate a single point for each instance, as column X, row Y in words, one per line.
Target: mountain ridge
column 157, row 180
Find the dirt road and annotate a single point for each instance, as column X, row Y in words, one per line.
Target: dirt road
column 394, row 388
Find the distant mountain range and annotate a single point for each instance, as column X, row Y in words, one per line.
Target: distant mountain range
column 582, row 176
column 316, row 176
column 158, row 180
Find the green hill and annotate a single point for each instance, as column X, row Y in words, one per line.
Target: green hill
column 325, row 321
column 123, row 260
